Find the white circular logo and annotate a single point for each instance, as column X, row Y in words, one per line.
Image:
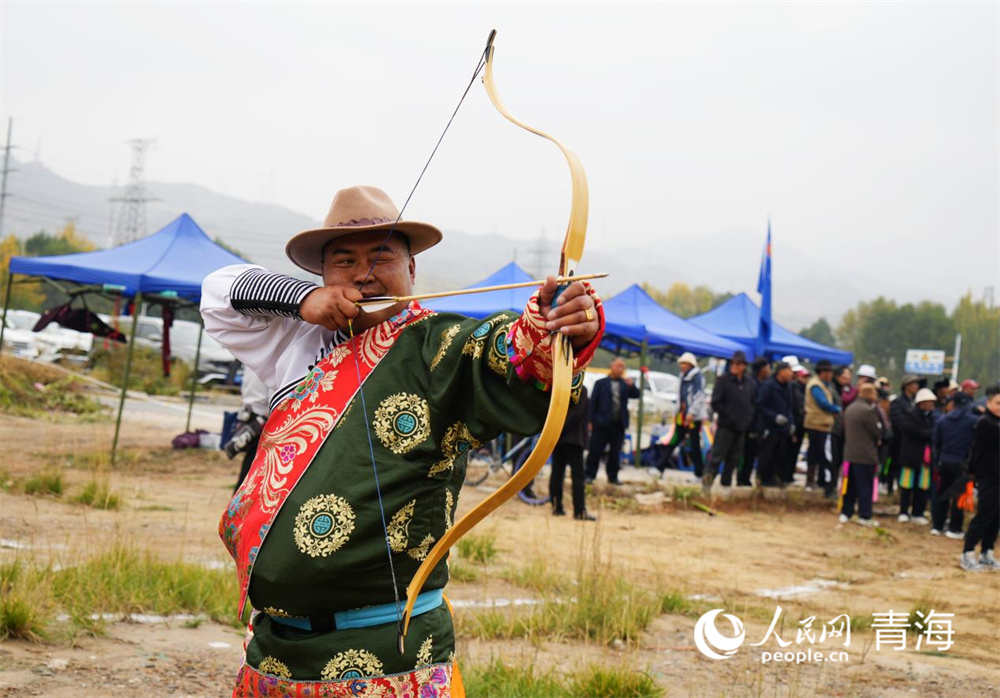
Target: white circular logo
column 708, row 639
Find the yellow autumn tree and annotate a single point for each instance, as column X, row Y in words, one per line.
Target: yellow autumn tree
column 28, row 296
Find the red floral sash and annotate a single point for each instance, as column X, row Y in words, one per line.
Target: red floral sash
column 294, row 433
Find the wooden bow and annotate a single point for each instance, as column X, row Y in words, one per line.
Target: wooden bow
column 562, row 365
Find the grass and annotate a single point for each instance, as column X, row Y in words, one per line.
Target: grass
column 480, row 548
column 117, row 580
column 35, row 390
column 498, row 679
column 47, row 482
column 460, row 572
column 98, row 495
column 597, row 604
column 20, row 616
column 685, row 493
column 146, row 373
column 614, row 682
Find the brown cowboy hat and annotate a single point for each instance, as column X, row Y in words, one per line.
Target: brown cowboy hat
column 357, row 210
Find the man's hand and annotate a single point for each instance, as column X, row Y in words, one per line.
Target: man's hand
column 331, row 306
column 573, row 313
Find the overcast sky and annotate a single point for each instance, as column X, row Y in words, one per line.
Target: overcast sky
column 868, row 131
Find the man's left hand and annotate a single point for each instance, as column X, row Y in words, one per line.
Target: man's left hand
column 573, row 314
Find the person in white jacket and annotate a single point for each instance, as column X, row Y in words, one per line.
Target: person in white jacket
column 692, row 411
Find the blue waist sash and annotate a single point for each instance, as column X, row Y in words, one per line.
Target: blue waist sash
column 363, row 617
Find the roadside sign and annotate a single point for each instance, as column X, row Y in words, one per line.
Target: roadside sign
column 926, row 362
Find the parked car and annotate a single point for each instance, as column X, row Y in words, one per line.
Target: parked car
column 18, row 341
column 53, row 341
column 659, row 396
column 215, row 363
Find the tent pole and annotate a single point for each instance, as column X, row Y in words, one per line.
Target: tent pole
column 637, row 450
column 128, row 370
column 6, row 304
column 194, row 378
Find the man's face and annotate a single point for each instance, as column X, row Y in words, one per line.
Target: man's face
column 617, row 368
column 844, row 378
column 993, row 405
column 825, row 376
column 910, row 389
column 738, row 368
column 970, row 391
column 765, row 372
column 802, row 377
column 784, row 375
column 347, row 261
column 927, row 405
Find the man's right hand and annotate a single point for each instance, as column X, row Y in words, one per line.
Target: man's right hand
column 331, row 306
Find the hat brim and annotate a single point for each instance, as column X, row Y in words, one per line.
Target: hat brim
column 306, row 249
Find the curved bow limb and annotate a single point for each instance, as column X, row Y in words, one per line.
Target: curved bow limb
column 562, row 366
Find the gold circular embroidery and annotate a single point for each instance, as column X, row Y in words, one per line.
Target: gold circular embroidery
column 323, row 525
column 352, row 664
column 425, row 653
column 457, row 441
column 274, row 667
column 497, row 358
column 402, row 421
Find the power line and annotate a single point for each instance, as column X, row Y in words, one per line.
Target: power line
column 132, row 215
column 6, row 169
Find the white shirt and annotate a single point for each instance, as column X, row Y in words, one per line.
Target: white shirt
column 280, row 350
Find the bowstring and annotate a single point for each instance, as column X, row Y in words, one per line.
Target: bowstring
column 357, row 359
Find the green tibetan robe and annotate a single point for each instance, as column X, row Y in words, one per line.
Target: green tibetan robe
column 444, row 387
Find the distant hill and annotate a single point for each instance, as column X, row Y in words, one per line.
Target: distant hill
column 806, row 286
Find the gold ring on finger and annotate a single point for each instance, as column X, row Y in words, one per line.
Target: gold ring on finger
column 589, row 314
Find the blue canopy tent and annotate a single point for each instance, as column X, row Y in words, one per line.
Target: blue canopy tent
column 173, row 261
column 738, row 319
column 168, row 265
column 479, row 305
column 633, row 318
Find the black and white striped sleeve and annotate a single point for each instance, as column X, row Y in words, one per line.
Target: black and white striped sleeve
column 259, row 292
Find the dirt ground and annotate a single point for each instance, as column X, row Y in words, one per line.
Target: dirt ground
column 751, row 557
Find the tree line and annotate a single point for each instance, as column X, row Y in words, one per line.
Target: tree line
column 880, row 331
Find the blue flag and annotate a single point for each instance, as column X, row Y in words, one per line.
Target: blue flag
column 764, row 289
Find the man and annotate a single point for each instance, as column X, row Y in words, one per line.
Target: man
column 760, row 371
column 774, row 408
column 732, row 401
column 917, row 429
column 821, row 411
column 609, row 420
column 942, row 391
column 862, row 434
column 866, row 374
column 800, row 377
column 569, row 451
column 969, row 387
column 354, row 483
column 952, row 441
column 844, row 394
column 985, row 462
column 898, row 409
column 249, row 421
column 693, row 410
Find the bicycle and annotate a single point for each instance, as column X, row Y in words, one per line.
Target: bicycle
column 491, row 458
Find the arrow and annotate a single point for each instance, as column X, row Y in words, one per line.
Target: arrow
column 376, row 303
